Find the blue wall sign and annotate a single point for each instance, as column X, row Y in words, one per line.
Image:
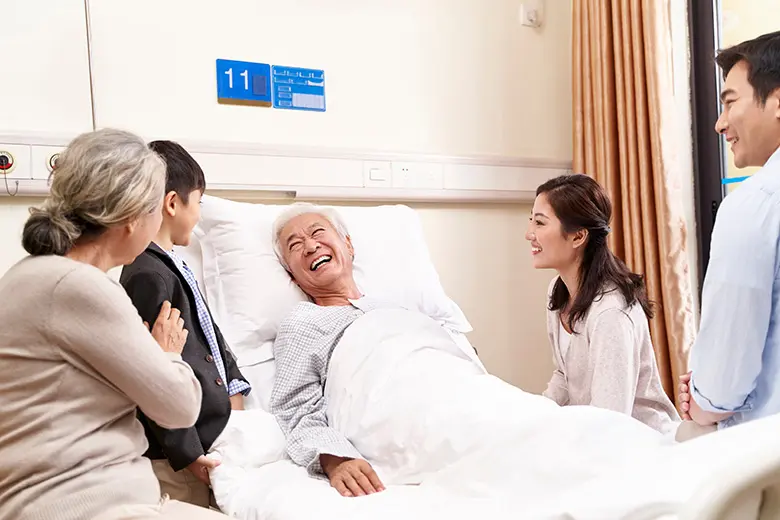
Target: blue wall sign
column 243, row 83
column 298, row 89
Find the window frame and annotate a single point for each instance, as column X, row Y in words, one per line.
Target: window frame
column 709, row 152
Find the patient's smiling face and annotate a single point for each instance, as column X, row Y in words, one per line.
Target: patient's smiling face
column 551, row 248
column 318, row 258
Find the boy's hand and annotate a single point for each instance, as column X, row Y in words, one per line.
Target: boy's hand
column 168, row 330
column 200, row 468
column 237, row 402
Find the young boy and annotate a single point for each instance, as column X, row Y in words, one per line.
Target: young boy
column 178, row 456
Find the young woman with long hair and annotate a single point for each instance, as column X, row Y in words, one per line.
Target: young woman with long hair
column 598, row 310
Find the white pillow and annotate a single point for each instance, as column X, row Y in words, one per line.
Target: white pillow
column 250, row 292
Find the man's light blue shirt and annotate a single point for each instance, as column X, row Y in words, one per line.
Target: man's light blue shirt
column 735, row 361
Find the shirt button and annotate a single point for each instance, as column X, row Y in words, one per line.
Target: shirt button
column 219, row 381
column 210, row 358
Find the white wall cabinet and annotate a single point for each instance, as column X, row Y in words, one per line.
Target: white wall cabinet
column 44, row 89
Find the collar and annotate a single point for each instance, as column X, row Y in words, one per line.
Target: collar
column 155, row 250
column 774, row 158
column 363, row 303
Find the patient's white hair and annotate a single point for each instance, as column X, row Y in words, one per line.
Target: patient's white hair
column 305, row 208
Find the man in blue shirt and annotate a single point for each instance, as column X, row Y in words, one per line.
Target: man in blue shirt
column 735, row 362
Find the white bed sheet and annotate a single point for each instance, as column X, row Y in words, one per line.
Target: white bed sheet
column 283, row 491
column 457, row 443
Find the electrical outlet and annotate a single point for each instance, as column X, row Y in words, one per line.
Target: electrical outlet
column 377, row 173
column 531, row 13
column 418, row 175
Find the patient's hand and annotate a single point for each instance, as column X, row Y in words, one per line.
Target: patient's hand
column 685, row 396
column 351, row 477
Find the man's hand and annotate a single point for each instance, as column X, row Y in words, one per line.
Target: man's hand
column 685, row 396
column 351, row 477
column 200, row 468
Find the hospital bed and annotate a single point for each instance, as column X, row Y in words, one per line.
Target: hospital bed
column 250, row 293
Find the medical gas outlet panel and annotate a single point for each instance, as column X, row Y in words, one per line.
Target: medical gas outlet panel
column 26, row 167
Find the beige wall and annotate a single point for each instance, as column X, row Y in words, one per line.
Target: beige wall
column 743, row 20
column 427, row 76
column 459, row 77
column 485, row 265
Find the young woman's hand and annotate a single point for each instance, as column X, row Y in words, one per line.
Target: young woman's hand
column 168, row 329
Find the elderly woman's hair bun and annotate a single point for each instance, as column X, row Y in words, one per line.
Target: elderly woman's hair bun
column 48, row 231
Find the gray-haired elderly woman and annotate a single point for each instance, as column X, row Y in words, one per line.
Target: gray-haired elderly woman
column 77, row 359
column 313, row 244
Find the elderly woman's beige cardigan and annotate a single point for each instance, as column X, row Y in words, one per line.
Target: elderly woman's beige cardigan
column 75, row 363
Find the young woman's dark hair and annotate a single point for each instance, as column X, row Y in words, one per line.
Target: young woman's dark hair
column 580, row 203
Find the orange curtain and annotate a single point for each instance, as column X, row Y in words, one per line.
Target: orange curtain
column 623, row 108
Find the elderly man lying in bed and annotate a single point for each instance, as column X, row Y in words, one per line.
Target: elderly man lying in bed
column 313, row 245
column 361, row 380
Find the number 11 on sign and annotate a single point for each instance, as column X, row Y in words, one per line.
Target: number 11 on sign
column 243, row 83
column 244, row 75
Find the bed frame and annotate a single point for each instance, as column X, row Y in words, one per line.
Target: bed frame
column 747, row 487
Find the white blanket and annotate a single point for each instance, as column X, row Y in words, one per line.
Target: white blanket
column 413, row 403
column 424, row 412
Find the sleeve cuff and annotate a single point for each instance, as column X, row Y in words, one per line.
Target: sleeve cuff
column 346, row 451
column 173, row 356
column 183, row 462
column 237, row 386
column 706, row 404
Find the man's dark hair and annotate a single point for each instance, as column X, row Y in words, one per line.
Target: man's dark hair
column 183, row 174
column 762, row 56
